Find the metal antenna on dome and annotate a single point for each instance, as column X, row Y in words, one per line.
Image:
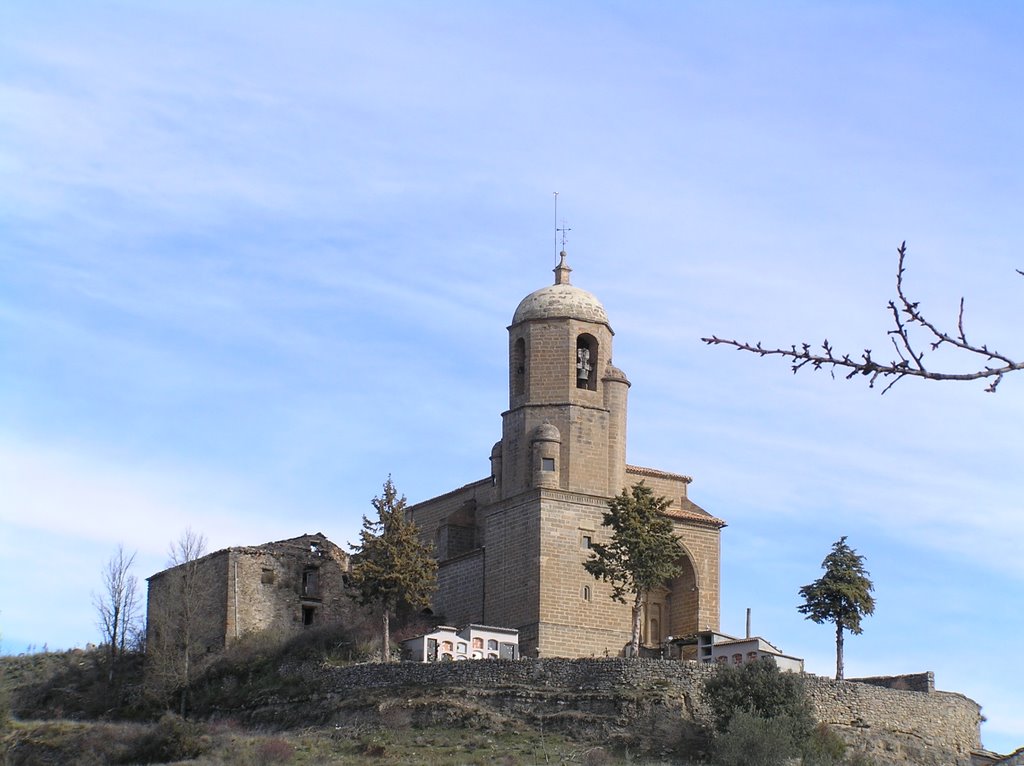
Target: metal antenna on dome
column 556, row 223
column 560, row 232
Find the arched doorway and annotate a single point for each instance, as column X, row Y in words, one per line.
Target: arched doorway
column 683, row 600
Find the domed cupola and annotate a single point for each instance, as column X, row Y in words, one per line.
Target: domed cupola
column 566, row 423
column 561, row 301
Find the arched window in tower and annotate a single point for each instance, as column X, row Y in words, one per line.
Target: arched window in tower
column 586, row 362
column 519, row 367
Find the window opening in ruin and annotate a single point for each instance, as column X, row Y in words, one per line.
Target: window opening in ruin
column 314, row 548
column 267, row 577
column 547, row 464
column 308, row 613
column 519, row 368
column 586, row 362
column 310, row 583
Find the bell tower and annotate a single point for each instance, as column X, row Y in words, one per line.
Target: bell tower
column 566, row 423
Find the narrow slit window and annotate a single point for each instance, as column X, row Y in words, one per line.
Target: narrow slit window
column 519, row 367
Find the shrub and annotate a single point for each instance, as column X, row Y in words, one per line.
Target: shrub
column 761, row 690
column 823, row 747
column 274, row 750
column 172, row 739
column 751, row 740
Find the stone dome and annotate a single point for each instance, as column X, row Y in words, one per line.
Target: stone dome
column 611, row 372
column 561, row 301
column 546, row 432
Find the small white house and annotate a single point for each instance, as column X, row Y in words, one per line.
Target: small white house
column 722, row 648
column 738, row 651
column 473, row 642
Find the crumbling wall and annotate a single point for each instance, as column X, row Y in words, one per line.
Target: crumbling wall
column 286, row 586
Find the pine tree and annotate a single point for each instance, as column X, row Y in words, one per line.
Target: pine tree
column 643, row 552
column 841, row 596
column 391, row 567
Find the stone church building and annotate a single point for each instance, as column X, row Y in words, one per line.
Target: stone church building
column 511, row 545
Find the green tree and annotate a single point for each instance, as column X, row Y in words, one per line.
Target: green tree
column 841, row 596
column 643, row 552
column 391, row 567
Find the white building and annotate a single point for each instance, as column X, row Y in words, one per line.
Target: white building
column 721, row 648
column 473, row 642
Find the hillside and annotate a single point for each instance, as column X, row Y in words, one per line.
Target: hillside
column 303, row 705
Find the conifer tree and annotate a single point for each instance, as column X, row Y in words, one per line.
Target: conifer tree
column 643, row 552
column 391, row 567
column 841, row 596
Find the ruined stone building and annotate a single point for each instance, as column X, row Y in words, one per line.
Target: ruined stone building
column 511, row 545
column 282, row 586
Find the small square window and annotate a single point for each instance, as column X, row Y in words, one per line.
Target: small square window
column 547, row 464
column 267, row 577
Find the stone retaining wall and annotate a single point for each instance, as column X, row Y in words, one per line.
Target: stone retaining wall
column 922, row 727
column 910, row 682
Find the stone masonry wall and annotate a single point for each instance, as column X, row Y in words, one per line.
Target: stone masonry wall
column 246, row 589
column 938, row 717
column 208, row 605
column 943, row 724
column 266, row 590
column 460, row 589
column 913, row 682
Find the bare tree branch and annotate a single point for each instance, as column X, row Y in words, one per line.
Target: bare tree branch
column 910, row 361
column 117, row 606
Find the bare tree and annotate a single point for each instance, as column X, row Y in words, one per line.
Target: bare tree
column 117, row 606
column 175, row 613
column 910, row 354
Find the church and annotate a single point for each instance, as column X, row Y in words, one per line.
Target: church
column 511, row 546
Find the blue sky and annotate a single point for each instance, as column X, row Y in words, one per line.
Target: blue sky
column 254, row 257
